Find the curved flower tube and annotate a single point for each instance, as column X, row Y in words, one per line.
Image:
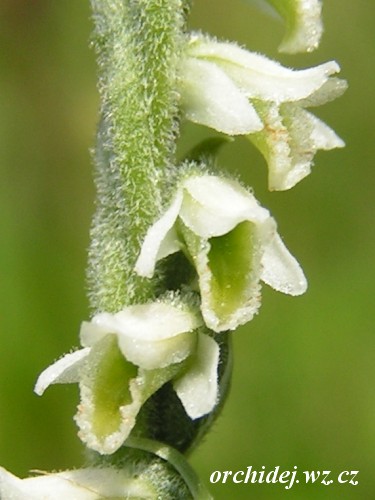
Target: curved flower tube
column 233, row 244
column 127, row 357
column 238, row 92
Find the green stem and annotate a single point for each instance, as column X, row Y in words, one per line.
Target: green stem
column 138, row 44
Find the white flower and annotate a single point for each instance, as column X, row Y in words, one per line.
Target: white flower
column 127, row 357
column 233, row 244
column 238, row 92
column 303, row 23
column 80, row 484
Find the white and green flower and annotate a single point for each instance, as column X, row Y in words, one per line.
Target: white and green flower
column 238, row 92
column 80, row 484
column 233, row 244
column 127, row 357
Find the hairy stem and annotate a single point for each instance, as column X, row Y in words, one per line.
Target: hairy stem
column 138, row 44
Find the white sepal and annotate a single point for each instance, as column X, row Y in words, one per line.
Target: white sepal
column 160, row 241
column 198, row 388
column 64, row 371
column 280, row 270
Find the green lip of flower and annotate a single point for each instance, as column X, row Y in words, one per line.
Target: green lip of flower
column 233, row 244
column 126, row 358
column 238, row 92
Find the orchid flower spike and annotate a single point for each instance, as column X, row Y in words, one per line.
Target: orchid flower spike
column 80, row 484
column 127, row 357
column 233, row 244
column 238, row 92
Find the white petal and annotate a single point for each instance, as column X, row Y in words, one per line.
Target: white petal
column 198, row 387
column 289, row 142
column 64, row 371
column 210, row 98
column 215, row 206
column 149, row 335
column 160, row 241
column 150, row 355
column 333, row 88
column 305, row 135
column 323, row 136
column 80, row 484
column 259, row 77
column 281, row 270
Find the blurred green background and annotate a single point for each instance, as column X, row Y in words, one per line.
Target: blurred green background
column 303, row 389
